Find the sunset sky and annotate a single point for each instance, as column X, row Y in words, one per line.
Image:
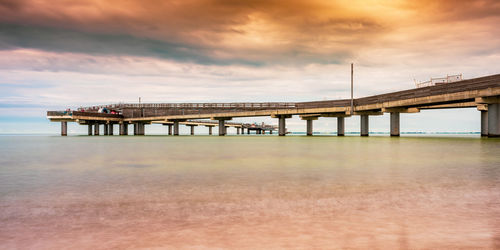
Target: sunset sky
column 69, row 53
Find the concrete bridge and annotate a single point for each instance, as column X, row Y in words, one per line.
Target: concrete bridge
column 482, row 93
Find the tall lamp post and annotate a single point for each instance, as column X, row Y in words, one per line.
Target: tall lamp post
column 352, row 86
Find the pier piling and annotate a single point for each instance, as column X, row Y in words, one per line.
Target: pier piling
column 309, row 127
column 142, row 128
column 192, row 129
column 364, row 125
column 122, row 128
column 222, row 128
column 139, row 128
column 494, row 120
column 96, row 128
column 110, row 129
column 176, row 128
column 340, row 126
column 484, row 123
column 282, row 124
column 64, row 128
column 395, row 124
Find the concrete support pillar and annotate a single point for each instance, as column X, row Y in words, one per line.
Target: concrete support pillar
column 122, row 129
column 110, row 129
column 309, row 127
column 271, row 132
column 484, row 123
column 237, row 131
column 169, row 129
column 142, row 128
column 263, row 131
column 139, row 128
column 176, row 128
column 494, row 120
column 64, row 128
column 222, row 128
column 282, row 126
column 210, row 130
column 96, row 129
column 340, row 126
column 192, row 130
column 395, row 124
column 364, row 125
column 248, row 131
column 105, row 129
column 90, row 129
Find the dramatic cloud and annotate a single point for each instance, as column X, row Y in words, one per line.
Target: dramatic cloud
column 70, row 52
column 247, row 32
column 244, row 32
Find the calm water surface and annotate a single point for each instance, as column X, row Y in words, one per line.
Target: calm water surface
column 249, row 192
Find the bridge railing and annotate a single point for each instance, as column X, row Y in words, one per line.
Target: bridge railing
column 324, row 104
column 58, row 113
column 439, row 80
column 465, row 85
column 95, row 114
column 81, row 113
column 241, row 105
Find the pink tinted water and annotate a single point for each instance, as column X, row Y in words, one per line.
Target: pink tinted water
column 249, row 192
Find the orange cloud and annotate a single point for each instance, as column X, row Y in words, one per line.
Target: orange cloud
column 294, row 31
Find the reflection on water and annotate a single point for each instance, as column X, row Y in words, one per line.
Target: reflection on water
column 249, row 192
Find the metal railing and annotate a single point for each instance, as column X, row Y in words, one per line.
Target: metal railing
column 81, row 113
column 439, row 80
column 250, row 105
column 59, row 113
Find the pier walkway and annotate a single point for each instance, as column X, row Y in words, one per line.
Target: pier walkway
column 482, row 93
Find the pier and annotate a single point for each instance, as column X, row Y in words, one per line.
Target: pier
column 482, row 93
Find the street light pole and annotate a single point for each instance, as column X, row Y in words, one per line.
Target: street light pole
column 352, row 86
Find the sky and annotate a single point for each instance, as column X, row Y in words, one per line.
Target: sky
column 69, row 53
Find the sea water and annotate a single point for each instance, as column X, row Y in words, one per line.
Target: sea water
column 249, row 192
